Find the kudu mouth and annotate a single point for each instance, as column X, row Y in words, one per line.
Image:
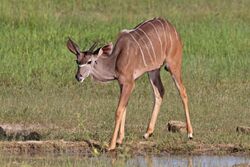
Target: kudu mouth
column 79, row 78
column 83, row 73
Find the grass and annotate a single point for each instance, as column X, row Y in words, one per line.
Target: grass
column 37, row 84
column 56, row 161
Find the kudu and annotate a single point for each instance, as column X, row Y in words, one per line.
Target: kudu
column 146, row 48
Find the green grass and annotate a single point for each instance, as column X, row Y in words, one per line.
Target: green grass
column 57, row 161
column 37, row 84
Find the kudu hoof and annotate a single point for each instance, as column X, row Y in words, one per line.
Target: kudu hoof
column 190, row 136
column 118, row 143
column 109, row 149
column 147, row 135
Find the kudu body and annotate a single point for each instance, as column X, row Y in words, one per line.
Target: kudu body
column 146, row 48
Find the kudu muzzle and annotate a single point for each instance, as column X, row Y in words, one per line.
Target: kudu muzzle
column 83, row 72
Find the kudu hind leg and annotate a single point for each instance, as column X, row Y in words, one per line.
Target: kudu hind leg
column 182, row 91
column 158, row 89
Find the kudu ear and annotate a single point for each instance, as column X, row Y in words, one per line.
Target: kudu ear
column 105, row 50
column 73, row 47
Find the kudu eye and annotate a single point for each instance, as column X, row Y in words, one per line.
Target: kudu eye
column 89, row 62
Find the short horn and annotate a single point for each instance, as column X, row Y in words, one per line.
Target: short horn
column 93, row 47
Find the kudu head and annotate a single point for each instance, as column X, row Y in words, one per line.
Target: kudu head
column 86, row 60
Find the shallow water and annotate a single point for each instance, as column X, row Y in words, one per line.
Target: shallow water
column 138, row 161
column 193, row 161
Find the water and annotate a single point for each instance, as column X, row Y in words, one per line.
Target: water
column 192, row 161
column 138, row 161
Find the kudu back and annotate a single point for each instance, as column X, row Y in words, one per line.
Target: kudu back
column 146, row 48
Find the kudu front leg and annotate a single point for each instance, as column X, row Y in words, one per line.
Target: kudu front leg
column 122, row 128
column 126, row 90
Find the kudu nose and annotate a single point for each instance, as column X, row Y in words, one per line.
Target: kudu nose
column 78, row 77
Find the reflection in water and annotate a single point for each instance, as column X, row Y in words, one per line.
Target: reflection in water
column 139, row 161
column 188, row 161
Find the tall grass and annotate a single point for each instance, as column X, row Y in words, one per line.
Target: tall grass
column 37, row 71
column 34, row 34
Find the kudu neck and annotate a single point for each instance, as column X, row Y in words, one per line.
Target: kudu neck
column 104, row 68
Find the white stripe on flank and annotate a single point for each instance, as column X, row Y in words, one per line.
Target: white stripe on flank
column 145, row 44
column 176, row 34
column 143, row 58
column 163, row 30
column 170, row 38
column 149, row 41
column 157, row 35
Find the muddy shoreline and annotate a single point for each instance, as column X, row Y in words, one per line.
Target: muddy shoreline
column 20, row 139
column 93, row 148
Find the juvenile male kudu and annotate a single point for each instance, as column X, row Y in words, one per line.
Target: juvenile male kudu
column 146, row 48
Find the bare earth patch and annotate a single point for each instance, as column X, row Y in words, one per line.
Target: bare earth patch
column 30, row 144
column 89, row 148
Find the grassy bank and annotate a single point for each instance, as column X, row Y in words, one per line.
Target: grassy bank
column 37, row 84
